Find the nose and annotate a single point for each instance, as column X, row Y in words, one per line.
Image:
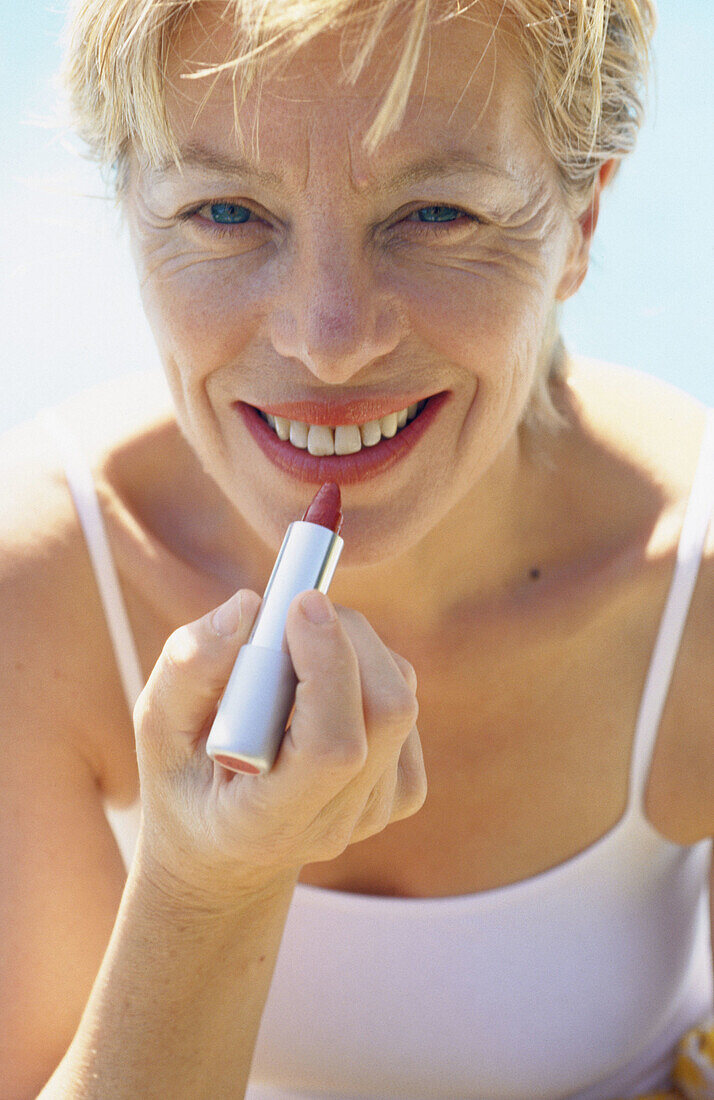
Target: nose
column 334, row 314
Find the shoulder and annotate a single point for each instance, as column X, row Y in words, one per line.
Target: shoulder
column 642, row 419
column 658, row 430
column 40, row 541
column 647, row 437
column 57, row 666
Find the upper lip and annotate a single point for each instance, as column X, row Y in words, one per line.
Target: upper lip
column 358, row 410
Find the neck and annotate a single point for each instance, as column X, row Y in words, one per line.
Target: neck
column 484, row 545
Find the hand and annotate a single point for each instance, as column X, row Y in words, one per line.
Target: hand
column 350, row 763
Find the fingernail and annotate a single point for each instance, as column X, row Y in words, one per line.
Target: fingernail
column 316, row 607
column 227, row 618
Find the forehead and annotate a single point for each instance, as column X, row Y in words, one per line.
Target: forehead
column 470, row 92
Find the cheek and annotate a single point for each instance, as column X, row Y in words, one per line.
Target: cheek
column 202, row 309
column 486, row 316
column 193, row 327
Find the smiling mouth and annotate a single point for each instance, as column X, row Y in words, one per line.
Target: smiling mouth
column 313, row 456
column 341, row 439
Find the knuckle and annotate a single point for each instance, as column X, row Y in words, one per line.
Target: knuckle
column 184, row 661
column 336, row 838
column 407, row 670
column 411, row 677
column 344, row 755
column 179, row 651
column 398, row 711
column 380, row 816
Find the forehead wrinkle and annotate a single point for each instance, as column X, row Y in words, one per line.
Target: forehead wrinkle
column 234, row 166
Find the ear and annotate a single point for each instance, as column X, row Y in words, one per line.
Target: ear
column 583, row 230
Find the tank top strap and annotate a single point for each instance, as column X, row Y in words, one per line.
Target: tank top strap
column 81, row 485
column 690, row 548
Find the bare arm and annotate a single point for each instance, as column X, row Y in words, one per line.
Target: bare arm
column 178, row 992
column 62, row 880
column 176, row 1004
column 179, row 988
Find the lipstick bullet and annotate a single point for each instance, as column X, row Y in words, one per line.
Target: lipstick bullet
column 256, row 704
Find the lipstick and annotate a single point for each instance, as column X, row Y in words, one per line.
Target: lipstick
column 352, row 469
column 256, row 704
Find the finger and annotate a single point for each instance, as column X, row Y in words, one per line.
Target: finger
column 399, row 792
column 406, row 669
column 185, row 686
column 411, row 786
column 377, row 811
column 326, row 743
column 388, row 691
column 388, row 704
column 366, row 793
column 329, row 749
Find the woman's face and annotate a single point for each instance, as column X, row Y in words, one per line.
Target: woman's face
column 310, row 270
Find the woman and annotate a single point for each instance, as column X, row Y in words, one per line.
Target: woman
column 339, row 212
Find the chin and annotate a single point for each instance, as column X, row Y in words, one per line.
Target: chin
column 366, row 549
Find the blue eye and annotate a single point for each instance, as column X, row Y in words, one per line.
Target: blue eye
column 438, row 214
column 229, row 213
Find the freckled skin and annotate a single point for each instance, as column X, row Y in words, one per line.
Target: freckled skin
column 334, row 284
column 334, row 288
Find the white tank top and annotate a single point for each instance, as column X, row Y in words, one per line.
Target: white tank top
column 575, row 983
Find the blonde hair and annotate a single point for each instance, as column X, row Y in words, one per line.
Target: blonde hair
column 588, row 60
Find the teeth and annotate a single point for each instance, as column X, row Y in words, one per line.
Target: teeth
column 348, row 440
column 320, row 441
column 298, row 434
column 281, row 425
column 371, row 433
column 345, row 439
column 389, row 425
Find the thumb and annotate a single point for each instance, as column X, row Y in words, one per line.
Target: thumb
column 185, row 686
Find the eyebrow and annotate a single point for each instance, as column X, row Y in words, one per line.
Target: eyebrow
column 217, row 164
column 452, row 163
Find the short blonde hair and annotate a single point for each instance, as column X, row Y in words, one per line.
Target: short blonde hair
column 588, row 60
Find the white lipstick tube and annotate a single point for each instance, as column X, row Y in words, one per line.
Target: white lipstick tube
column 256, row 704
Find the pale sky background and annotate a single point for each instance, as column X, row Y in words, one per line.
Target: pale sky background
column 70, row 312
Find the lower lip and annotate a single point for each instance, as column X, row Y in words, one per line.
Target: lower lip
column 344, row 469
